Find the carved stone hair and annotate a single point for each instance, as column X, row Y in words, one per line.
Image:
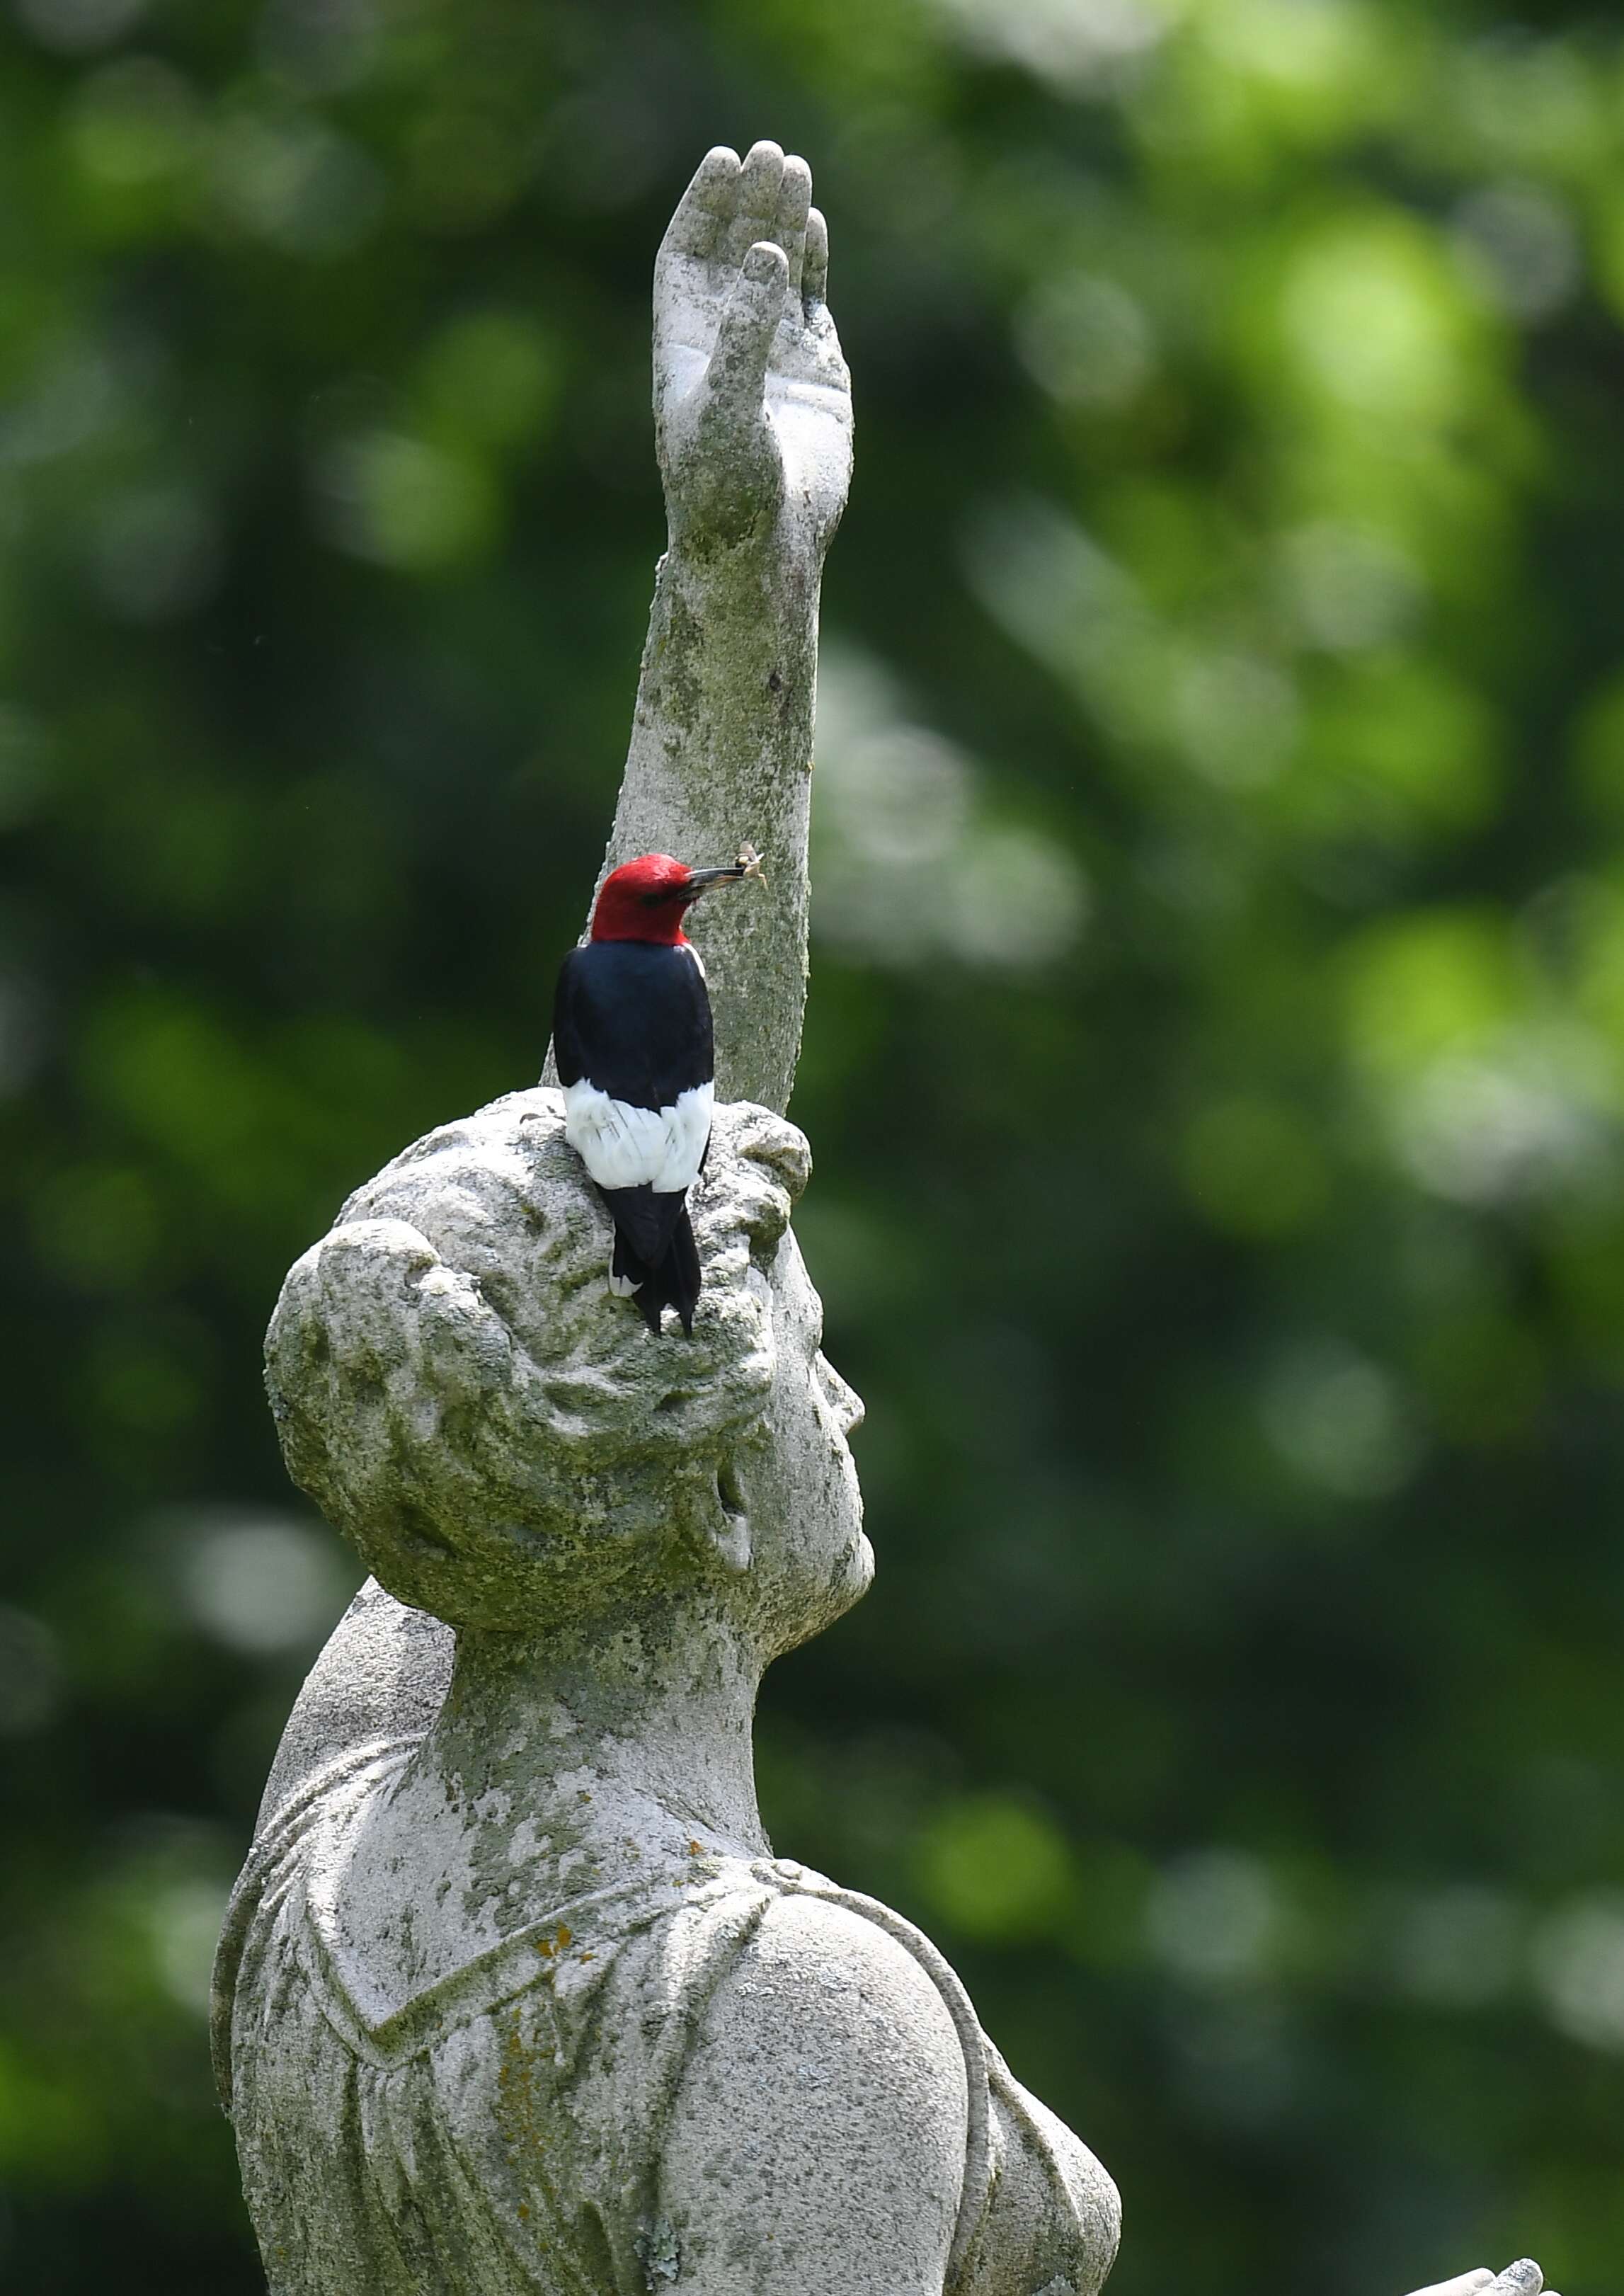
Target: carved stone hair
column 455, row 1387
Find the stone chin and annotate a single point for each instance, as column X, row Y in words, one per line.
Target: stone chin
column 859, row 1575
column 854, row 1571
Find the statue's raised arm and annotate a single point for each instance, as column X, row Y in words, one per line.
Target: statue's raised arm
column 752, row 423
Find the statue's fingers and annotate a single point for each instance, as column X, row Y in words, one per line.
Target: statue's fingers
column 814, row 263
column 794, row 203
column 756, row 209
column 738, row 364
column 707, row 206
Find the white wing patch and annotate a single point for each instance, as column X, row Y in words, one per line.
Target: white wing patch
column 622, row 1147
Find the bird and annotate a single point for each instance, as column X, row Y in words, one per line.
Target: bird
column 632, row 1041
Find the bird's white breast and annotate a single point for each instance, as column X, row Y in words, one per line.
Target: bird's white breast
column 626, row 1147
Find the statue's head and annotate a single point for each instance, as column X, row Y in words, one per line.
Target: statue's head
column 509, row 1448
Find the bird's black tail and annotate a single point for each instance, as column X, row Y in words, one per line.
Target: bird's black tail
column 655, row 1256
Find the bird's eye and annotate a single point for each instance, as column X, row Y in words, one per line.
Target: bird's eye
column 660, row 895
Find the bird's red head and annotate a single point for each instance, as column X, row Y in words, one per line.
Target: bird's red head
column 647, row 899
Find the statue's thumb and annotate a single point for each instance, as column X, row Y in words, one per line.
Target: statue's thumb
column 1523, row 2278
column 745, row 339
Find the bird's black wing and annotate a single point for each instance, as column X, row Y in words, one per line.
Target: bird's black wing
column 566, row 1018
column 633, row 1018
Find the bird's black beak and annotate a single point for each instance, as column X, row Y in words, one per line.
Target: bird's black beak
column 701, row 881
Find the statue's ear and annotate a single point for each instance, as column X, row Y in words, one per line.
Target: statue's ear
column 728, row 1529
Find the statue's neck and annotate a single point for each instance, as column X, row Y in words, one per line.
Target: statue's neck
column 635, row 1729
column 556, row 1768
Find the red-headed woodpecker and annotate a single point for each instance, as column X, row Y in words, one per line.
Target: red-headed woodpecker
column 631, row 1034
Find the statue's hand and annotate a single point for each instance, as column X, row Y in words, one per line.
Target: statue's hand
column 1521, row 2279
column 752, row 400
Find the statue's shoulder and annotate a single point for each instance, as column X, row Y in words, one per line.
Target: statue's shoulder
column 828, row 2061
column 849, row 2019
column 823, row 1965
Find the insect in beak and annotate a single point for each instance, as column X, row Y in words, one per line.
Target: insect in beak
column 748, row 865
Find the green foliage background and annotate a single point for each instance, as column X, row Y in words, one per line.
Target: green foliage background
column 1214, row 1060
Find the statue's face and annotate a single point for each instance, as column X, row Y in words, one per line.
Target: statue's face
column 798, row 1483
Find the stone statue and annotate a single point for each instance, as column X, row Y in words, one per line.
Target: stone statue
column 514, row 1998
